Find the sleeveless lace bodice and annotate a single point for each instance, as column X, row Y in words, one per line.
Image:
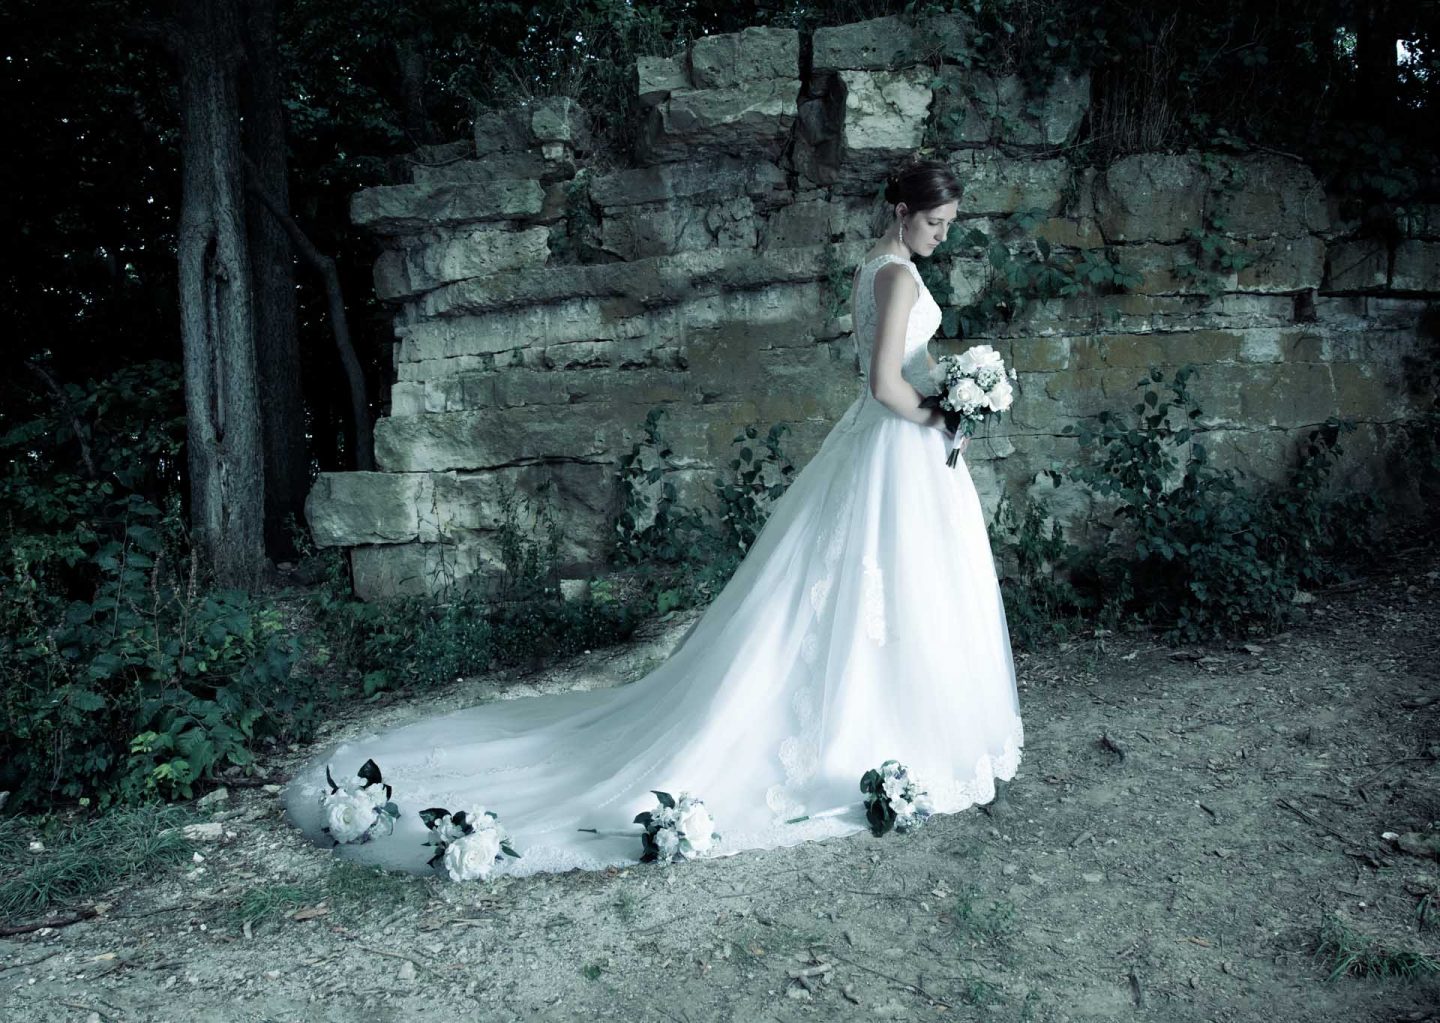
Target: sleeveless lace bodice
column 924, row 321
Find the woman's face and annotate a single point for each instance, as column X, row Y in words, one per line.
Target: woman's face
column 926, row 229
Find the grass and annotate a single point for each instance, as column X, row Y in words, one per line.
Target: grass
column 1350, row 953
column 349, row 889
column 627, row 905
column 84, row 858
column 979, row 922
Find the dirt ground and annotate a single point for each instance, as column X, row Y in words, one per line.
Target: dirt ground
column 1182, row 824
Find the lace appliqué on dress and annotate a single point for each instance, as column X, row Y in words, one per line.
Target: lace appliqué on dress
column 874, row 601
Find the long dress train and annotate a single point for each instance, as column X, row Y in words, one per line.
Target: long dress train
column 865, row 623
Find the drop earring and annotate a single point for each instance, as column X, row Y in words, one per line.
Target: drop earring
column 901, row 222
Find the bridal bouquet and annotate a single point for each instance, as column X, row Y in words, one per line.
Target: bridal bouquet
column 894, row 798
column 467, row 842
column 973, row 385
column 682, row 828
column 352, row 811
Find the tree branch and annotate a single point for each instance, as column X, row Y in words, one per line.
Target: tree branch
column 360, row 410
column 69, row 410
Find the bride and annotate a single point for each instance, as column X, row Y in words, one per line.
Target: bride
column 864, row 624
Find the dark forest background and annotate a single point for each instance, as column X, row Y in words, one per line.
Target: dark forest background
column 191, row 332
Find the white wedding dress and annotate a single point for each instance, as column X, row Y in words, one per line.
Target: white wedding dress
column 864, row 624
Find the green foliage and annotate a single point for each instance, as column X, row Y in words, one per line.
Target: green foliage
column 84, row 856
column 1206, row 555
column 1022, row 275
column 760, row 477
column 121, row 675
column 683, row 557
column 1033, row 561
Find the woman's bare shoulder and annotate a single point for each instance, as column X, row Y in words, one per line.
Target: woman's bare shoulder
column 893, row 280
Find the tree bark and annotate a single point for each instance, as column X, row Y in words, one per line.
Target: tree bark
column 277, row 346
column 227, row 483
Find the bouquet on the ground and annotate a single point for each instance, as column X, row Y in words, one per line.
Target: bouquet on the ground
column 894, row 798
column 352, row 811
column 974, row 385
column 680, row 828
column 467, row 842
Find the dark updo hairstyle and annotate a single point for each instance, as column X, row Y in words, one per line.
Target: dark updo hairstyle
column 920, row 185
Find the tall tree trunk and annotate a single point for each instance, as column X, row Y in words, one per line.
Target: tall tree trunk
column 277, row 347
column 227, row 483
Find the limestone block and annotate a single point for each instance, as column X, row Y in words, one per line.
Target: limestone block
column 426, row 261
column 694, row 182
column 533, row 326
column 998, row 185
column 885, row 111
column 1363, row 391
column 725, row 61
column 978, row 109
column 1151, row 196
column 1040, row 354
column 1283, row 264
column 391, row 209
column 1273, row 196
column 639, row 232
column 1158, row 266
column 649, row 283
column 1260, row 346
column 501, row 165
column 804, row 223
column 489, row 438
column 560, row 119
column 501, row 131
column 1284, row 394
column 752, row 117
column 1362, row 264
column 1071, row 232
column 415, row 569
column 349, row 508
column 1417, row 266
column 968, row 278
column 876, row 44
column 657, row 77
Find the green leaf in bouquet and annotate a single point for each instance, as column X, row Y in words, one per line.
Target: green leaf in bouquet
column 370, row 771
column 432, row 814
column 331, row 781
column 642, row 818
column 665, row 799
column 508, row 851
column 392, row 810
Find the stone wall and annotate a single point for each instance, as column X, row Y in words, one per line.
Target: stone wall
column 545, row 301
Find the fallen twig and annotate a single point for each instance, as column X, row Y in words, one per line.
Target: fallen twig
column 1309, row 817
column 56, row 922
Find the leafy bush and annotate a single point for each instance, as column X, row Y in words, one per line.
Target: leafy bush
column 1208, row 555
column 121, row 676
column 1033, row 563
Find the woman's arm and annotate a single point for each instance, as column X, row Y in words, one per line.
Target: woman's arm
column 895, row 295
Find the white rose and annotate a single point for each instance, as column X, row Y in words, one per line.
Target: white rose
column 1000, row 396
column 967, row 396
column 471, row 857
column 446, row 830
column 985, row 356
column 348, row 815
column 966, row 363
column 668, row 843
column 698, row 828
